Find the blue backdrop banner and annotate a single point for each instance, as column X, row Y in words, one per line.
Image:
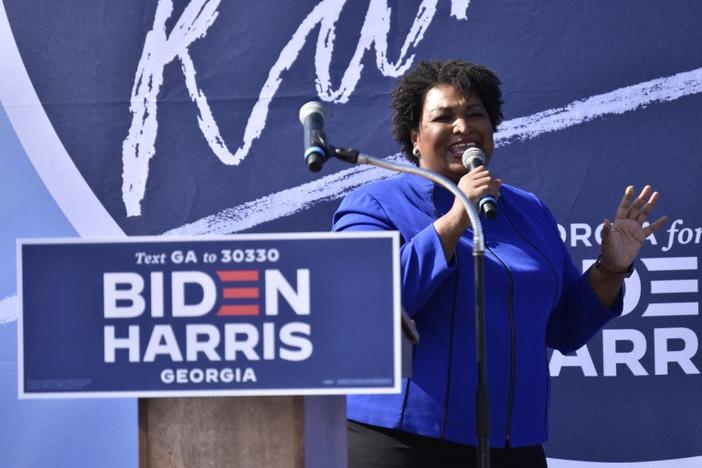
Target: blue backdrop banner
column 180, row 118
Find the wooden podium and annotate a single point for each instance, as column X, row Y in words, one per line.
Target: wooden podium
column 245, row 432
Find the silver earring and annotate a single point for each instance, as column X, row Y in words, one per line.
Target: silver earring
column 415, row 153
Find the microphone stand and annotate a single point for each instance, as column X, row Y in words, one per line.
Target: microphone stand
column 353, row 156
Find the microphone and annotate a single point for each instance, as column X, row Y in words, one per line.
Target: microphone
column 474, row 157
column 312, row 118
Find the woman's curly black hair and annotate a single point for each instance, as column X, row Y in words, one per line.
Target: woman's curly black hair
column 408, row 96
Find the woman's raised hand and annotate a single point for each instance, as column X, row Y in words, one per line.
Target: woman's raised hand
column 622, row 240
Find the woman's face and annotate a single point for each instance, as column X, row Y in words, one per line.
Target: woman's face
column 450, row 123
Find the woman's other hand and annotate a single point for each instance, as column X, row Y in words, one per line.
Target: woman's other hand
column 478, row 183
column 622, row 240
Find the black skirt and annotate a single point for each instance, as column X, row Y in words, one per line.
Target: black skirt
column 375, row 447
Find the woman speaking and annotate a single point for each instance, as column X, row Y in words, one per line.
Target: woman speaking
column 534, row 296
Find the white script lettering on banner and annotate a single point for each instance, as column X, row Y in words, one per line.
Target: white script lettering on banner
column 161, row 48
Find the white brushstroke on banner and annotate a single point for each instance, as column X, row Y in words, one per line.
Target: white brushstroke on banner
column 284, row 203
column 302, row 197
column 8, row 309
column 459, row 9
column 160, row 49
column 615, row 102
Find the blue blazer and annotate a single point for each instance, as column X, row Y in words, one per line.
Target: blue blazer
column 534, row 298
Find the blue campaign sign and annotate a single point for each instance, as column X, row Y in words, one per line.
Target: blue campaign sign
column 265, row 314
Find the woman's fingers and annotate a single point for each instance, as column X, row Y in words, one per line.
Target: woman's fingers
column 606, row 229
column 478, row 183
column 625, row 202
column 653, row 227
column 637, row 208
column 640, row 202
column 646, row 209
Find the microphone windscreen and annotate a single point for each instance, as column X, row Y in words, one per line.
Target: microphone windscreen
column 473, row 157
column 310, row 108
